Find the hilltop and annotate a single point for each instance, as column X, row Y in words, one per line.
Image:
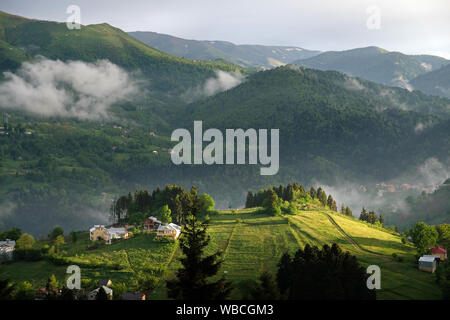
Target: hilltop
column 376, row 64
column 24, row 39
column 436, row 82
column 248, row 56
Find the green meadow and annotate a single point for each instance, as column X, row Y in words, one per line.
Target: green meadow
column 251, row 242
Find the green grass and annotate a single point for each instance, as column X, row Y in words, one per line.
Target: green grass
column 251, row 242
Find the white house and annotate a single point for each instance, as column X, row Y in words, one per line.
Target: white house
column 169, row 230
column 99, row 232
column 117, row 233
column 7, row 250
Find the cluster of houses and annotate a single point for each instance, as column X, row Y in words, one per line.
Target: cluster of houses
column 105, row 284
column 430, row 262
column 6, row 250
column 101, row 233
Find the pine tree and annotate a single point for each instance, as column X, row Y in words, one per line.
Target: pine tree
column 267, row 288
column 348, row 212
column 313, row 193
column 334, row 206
column 330, row 201
column 191, row 281
column 249, row 201
column 364, row 216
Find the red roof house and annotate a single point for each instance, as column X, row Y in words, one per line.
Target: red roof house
column 440, row 251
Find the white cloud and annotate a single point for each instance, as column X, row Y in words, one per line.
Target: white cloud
column 67, row 89
column 222, row 82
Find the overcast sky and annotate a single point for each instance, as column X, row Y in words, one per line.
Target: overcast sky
column 409, row 26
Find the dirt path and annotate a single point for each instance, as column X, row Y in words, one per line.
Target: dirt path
column 353, row 242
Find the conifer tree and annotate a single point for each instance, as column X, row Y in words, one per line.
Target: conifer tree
column 191, row 282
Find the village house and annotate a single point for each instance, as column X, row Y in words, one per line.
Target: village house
column 152, row 223
column 428, row 263
column 440, row 251
column 7, row 250
column 117, row 233
column 170, row 230
column 99, row 232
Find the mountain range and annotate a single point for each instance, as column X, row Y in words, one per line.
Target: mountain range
column 249, row 56
column 333, row 127
column 376, row 64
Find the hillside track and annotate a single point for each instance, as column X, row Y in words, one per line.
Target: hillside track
column 353, row 242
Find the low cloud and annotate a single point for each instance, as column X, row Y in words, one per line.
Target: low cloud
column 353, row 84
column 402, row 83
column 427, row 177
column 67, row 89
column 222, row 81
column 422, row 126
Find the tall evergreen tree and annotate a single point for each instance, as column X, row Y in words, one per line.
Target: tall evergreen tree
column 249, row 201
column 313, row 193
column 348, row 212
column 191, row 282
column 266, row 289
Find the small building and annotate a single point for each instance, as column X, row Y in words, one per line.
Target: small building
column 98, row 232
column 170, row 230
column 7, row 250
column 440, row 251
column 152, row 223
column 428, row 263
column 93, row 294
column 133, row 296
column 117, row 233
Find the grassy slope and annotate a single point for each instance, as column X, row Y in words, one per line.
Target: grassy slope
column 251, row 242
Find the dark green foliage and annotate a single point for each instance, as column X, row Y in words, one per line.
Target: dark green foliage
column 57, row 231
column 172, row 202
column 423, row 237
column 191, row 281
column 12, row 234
column 6, row 290
column 249, row 202
column 326, row 273
column 52, row 288
column 370, row 217
column 266, row 288
column 272, row 203
column 348, row 212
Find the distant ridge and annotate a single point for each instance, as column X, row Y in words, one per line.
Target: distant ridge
column 244, row 55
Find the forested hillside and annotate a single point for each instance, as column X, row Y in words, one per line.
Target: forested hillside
column 376, row 64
